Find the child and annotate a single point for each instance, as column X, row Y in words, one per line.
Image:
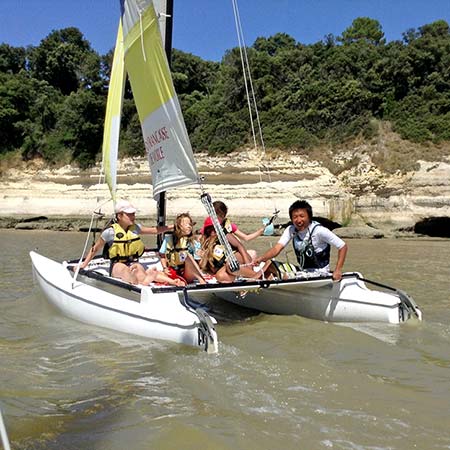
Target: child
column 222, row 211
column 178, row 251
column 214, row 257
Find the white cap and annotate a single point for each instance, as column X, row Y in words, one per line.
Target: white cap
column 124, row 206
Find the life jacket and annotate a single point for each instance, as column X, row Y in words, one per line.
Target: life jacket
column 227, row 228
column 127, row 245
column 218, row 256
column 282, row 270
column 177, row 251
column 307, row 256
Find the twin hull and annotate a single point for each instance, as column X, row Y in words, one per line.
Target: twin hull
column 161, row 313
column 349, row 300
column 157, row 316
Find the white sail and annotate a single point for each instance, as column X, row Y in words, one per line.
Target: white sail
column 160, row 9
column 166, row 140
column 113, row 113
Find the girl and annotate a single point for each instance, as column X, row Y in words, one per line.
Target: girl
column 179, row 250
column 214, row 258
column 122, row 244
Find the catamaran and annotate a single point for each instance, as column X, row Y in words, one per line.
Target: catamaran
column 170, row 312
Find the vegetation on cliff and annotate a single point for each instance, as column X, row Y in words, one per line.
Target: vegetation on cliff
column 312, row 98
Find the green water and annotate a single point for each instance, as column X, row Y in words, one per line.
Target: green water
column 277, row 382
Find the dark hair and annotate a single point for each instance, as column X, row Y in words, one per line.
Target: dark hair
column 301, row 204
column 220, row 208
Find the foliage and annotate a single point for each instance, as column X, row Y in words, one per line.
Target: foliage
column 309, row 97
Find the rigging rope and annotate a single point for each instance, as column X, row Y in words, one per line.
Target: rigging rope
column 251, row 99
column 97, row 213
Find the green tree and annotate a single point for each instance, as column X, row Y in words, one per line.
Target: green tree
column 363, row 29
column 12, row 59
column 78, row 131
column 66, row 61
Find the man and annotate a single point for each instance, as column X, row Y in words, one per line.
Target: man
column 124, row 246
column 311, row 241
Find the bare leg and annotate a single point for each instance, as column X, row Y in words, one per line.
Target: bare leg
column 222, row 275
column 192, row 271
column 246, row 272
column 163, row 278
column 124, row 272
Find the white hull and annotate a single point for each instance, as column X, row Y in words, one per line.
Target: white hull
column 349, row 300
column 131, row 310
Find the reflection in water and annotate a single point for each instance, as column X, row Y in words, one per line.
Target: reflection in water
column 277, row 382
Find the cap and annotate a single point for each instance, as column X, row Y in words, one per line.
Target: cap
column 124, row 206
column 206, row 224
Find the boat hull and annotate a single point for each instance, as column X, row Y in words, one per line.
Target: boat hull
column 349, row 300
column 136, row 311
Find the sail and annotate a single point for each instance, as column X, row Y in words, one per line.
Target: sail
column 166, row 140
column 113, row 112
column 160, row 9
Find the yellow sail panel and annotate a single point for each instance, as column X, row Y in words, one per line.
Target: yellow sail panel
column 147, row 65
column 113, row 113
column 165, row 137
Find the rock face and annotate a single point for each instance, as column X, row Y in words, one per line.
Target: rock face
column 251, row 185
column 408, row 199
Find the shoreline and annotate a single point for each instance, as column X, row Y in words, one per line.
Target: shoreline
column 361, row 199
column 80, row 224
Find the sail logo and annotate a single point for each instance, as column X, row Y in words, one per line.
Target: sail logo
column 153, row 145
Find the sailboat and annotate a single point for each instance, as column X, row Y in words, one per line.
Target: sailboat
column 92, row 296
column 169, row 312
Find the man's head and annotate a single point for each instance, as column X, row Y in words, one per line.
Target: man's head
column 301, row 204
column 301, row 214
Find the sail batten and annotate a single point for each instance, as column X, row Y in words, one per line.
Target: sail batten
column 165, row 136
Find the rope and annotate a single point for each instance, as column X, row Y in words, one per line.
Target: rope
column 244, row 69
column 229, row 254
column 251, row 99
column 97, row 213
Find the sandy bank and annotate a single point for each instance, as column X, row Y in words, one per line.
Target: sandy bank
column 359, row 196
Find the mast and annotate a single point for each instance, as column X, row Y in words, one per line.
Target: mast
column 161, row 204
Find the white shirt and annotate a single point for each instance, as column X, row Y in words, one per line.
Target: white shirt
column 320, row 237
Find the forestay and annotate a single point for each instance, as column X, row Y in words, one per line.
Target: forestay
column 166, row 140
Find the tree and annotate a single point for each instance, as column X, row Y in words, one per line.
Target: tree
column 366, row 29
column 66, row 61
column 79, row 129
column 190, row 73
column 274, row 44
column 12, row 59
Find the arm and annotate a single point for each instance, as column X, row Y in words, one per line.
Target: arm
column 162, row 254
column 335, row 241
column 241, row 249
column 165, row 264
column 156, row 230
column 92, row 252
column 342, row 253
column 248, row 237
column 271, row 253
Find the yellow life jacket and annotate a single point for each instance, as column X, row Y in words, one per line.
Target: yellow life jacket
column 127, row 245
column 227, row 228
column 218, row 256
column 177, row 253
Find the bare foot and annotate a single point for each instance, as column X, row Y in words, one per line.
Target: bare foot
column 177, row 282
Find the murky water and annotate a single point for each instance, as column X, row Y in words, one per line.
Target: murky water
column 277, row 382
